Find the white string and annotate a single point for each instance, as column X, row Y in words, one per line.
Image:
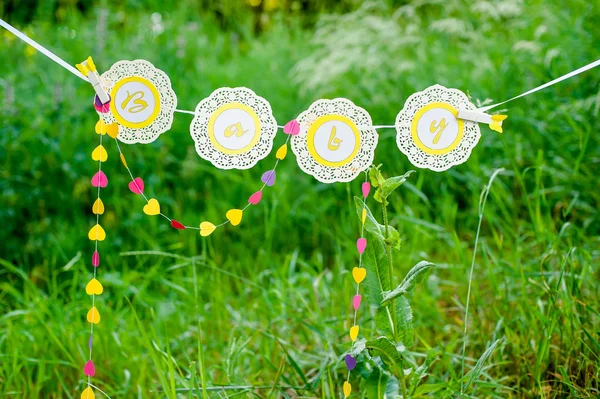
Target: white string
column 553, row 82
column 75, row 72
column 42, row 49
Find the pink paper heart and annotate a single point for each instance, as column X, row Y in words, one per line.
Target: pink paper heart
column 95, row 259
column 99, row 179
column 366, row 187
column 255, row 198
column 89, row 369
column 356, row 301
column 361, row 244
column 292, row 127
column 137, row 185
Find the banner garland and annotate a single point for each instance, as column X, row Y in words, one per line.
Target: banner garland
column 358, row 274
column 233, row 128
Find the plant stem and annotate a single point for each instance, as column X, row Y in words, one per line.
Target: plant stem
column 391, row 305
column 388, row 249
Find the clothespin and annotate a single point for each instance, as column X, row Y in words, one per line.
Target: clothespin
column 88, row 69
column 494, row 121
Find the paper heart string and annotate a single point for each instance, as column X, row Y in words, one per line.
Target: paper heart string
column 350, row 362
column 177, row 225
column 88, row 393
column 99, row 179
column 206, row 228
column 268, row 177
column 281, row 152
column 89, row 369
column 358, row 273
column 99, row 154
column 98, row 207
column 354, row 332
column 93, row 316
column 152, row 208
column 234, row 216
column 94, row 287
column 137, row 185
column 255, row 198
column 96, row 234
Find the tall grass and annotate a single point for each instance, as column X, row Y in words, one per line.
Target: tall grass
column 273, row 295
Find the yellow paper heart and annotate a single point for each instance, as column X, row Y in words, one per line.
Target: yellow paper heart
column 206, row 229
column 97, row 233
column 353, row 333
column 124, row 161
column 112, row 130
column 347, row 389
column 100, row 127
column 98, row 207
column 94, row 287
column 100, row 154
column 93, row 316
column 359, row 274
column 152, row 207
column 364, row 216
column 281, row 152
column 88, row 393
column 234, row 216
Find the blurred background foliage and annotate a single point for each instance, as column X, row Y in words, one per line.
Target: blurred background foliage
column 282, row 276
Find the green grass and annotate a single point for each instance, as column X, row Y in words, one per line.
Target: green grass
column 267, row 304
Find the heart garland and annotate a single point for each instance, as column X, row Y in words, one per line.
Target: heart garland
column 232, row 216
column 359, row 273
column 96, row 235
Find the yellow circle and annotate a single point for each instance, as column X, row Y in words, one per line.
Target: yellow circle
column 219, row 111
column 113, row 108
column 312, row 131
column 415, row 122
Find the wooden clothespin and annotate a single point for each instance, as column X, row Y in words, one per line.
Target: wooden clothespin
column 494, row 121
column 88, row 69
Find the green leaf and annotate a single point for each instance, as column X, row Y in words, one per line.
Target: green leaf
column 476, row 371
column 421, row 372
column 375, row 260
column 404, row 318
column 389, row 185
column 375, row 176
column 426, row 389
column 375, row 386
column 390, row 354
column 414, row 277
column 373, row 227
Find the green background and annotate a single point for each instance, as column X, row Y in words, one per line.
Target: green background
column 271, row 297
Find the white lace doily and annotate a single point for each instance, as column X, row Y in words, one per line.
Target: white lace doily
column 233, row 128
column 340, row 144
column 437, row 155
column 156, row 99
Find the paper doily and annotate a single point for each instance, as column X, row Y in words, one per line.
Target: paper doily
column 233, row 128
column 142, row 101
column 430, row 134
column 336, row 141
